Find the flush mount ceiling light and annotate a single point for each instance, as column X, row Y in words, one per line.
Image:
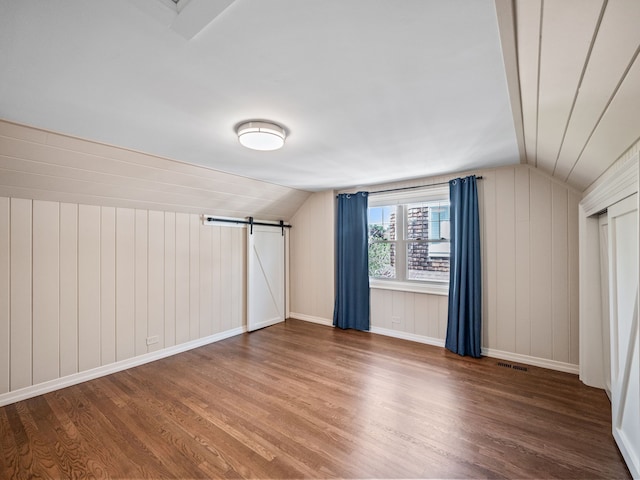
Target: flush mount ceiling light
column 261, row 135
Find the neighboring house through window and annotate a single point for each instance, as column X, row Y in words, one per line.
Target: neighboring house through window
column 409, row 235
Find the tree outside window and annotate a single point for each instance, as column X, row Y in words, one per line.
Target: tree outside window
column 410, row 241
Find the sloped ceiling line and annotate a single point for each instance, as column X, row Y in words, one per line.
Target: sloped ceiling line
column 580, row 84
column 535, row 155
column 577, row 92
column 527, row 41
column 376, row 91
column 604, row 111
column 505, row 10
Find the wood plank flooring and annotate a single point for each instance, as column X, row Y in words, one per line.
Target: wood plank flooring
column 299, row 400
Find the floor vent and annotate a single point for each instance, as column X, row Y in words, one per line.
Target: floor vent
column 515, row 367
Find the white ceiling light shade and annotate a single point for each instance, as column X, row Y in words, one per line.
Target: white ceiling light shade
column 261, row 135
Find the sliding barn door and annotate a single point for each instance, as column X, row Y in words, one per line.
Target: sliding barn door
column 265, row 277
column 625, row 341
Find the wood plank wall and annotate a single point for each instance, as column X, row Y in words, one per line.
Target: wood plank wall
column 529, row 227
column 312, row 245
column 83, row 286
column 44, row 165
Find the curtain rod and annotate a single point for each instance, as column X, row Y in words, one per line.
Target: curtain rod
column 249, row 222
column 416, row 186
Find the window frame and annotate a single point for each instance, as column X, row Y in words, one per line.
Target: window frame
column 402, row 199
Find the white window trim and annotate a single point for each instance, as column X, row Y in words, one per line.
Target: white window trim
column 431, row 287
column 405, row 197
column 410, row 196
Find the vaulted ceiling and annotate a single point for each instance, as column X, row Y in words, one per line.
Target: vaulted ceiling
column 579, row 78
column 368, row 90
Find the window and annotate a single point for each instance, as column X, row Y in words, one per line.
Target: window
column 409, row 235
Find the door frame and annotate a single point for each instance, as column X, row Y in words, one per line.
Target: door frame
column 619, row 182
column 608, row 190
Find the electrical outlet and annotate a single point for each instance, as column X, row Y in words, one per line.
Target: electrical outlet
column 395, row 320
column 152, row 340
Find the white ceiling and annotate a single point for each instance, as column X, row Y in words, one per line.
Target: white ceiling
column 580, row 84
column 369, row 90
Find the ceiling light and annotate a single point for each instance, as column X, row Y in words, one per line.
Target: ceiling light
column 261, row 135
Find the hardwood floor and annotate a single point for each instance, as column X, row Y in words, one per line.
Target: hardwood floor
column 299, row 400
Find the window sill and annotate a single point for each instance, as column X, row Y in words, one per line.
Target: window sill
column 433, row 288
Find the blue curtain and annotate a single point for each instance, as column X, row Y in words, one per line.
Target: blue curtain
column 352, row 268
column 465, row 278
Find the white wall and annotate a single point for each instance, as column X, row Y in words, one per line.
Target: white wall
column 102, row 247
column 86, row 286
column 312, row 243
column 530, row 269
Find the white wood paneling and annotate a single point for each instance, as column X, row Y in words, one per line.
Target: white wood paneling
column 312, row 277
column 87, row 285
column 523, row 263
column 561, row 70
column 615, row 45
column 421, row 325
column 206, row 277
column 505, row 10
column 238, row 240
column 387, row 308
column 68, row 289
column 528, row 20
column 221, row 289
column 529, row 225
column 579, row 82
column 505, row 261
column 560, row 300
column 574, row 278
column 169, row 279
column 443, row 313
column 376, row 305
column 194, row 277
column 49, row 166
column 398, row 312
column 433, row 317
column 408, row 322
column 89, row 342
column 107, row 285
column 156, row 320
column 541, row 271
column 618, row 129
column 141, row 285
column 183, row 285
column 46, row 290
column 125, row 283
column 488, row 206
column 5, row 345
column 21, row 294
column 419, row 314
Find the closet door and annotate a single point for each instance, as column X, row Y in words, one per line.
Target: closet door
column 625, row 343
column 603, row 224
column 265, row 277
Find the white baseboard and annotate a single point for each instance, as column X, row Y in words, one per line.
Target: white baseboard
column 74, row 379
column 489, row 352
column 312, row 319
column 529, row 360
column 437, row 342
